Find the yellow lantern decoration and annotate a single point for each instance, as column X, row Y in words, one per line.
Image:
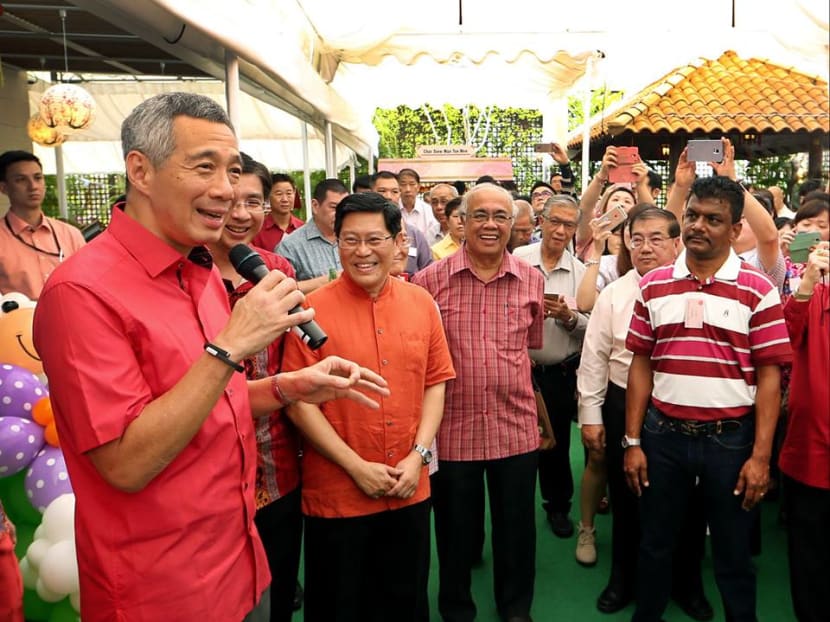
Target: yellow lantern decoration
column 42, row 134
column 67, row 105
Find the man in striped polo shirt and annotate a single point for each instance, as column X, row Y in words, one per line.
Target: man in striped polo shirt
column 708, row 336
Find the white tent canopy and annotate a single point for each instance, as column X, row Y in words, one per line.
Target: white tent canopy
column 267, row 134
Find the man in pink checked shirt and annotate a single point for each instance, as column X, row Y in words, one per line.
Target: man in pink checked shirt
column 491, row 306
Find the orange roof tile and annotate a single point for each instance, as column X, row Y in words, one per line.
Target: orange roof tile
column 723, row 95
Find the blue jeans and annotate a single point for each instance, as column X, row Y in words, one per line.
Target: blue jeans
column 675, row 459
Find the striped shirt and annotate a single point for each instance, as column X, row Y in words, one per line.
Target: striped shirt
column 490, row 410
column 707, row 372
column 309, row 252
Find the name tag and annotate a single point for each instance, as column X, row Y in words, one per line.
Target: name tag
column 693, row 318
column 413, row 251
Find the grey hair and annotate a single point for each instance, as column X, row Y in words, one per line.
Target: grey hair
column 452, row 189
column 563, row 200
column 149, row 127
column 479, row 188
column 520, row 208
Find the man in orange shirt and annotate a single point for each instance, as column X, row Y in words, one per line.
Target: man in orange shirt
column 31, row 244
column 365, row 484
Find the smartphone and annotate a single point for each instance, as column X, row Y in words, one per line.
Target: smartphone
column 704, row 150
column 552, row 297
column 613, row 218
column 626, row 158
column 801, row 245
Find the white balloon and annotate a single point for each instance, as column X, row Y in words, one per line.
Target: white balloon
column 59, row 569
column 59, row 519
column 28, row 574
column 75, row 601
column 36, row 552
column 46, row 594
column 39, row 532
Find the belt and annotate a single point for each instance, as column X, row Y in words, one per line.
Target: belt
column 567, row 365
column 690, row 427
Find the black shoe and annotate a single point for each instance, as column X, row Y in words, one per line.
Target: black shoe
column 299, row 594
column 561, row 524
column 696, row 607
column 613, row 599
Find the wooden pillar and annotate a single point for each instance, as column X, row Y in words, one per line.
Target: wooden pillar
column 814, row 161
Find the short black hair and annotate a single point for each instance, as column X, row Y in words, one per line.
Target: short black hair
column 541, row 184
column 720, row 187
column 808, row 186
column 655, row 180
column 326, row 186
column 782, row 221
column 283, row 178
column 13, row 157
column 362, row 182
column 648, row 211
column 252, row 167
column 411, row 172
column 486, row 179
column 384, row 175
column 453, row 205
column 765, row 198
column 371, row 203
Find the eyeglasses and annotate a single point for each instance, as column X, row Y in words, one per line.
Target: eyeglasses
column 657, row 241
column 253, row 205
column 556, row 223
column 541, row 194
column 373, row 242
column 500, row 218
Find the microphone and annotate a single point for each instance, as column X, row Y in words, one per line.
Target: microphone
column 250, row 265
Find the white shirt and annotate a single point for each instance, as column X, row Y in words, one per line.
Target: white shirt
column 422, row 218
column 604, row 355
column 564, row 279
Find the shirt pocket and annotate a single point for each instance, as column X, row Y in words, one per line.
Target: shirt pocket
column 414, row 348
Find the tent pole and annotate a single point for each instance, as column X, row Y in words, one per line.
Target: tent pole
column 352, row 160
column 330, row 156
column 306, row 170
column 232, row 90
column 586, row 123
column 63, row 207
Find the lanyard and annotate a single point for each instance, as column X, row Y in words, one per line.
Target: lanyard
column 59, row 254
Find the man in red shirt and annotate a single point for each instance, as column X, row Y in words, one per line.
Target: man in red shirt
column 805, row 456
column 282, row 220
column 365, row 478
column 492, row 309
column 155, row 426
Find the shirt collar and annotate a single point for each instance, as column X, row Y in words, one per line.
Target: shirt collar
column 148, row 249
column 357, row 291
column 727, row 272
column 313, row 231
column 19, row 225
column 460, row 261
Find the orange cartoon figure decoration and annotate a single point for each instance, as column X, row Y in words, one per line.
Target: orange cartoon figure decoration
column 42, row 414
column 16, row 346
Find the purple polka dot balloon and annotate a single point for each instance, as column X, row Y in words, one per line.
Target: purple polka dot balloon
column 47, row 478
column 20, row 390
column 20, row 440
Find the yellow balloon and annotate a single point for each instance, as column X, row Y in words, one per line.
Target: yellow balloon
column 16, row 345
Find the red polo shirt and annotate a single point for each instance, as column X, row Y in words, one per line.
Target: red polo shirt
column 271, row 234
column 117, row 326
column 805, row 455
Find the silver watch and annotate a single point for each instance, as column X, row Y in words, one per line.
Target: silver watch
column 426, row 454
column 627, row 442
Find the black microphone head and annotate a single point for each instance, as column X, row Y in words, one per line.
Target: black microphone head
column 245, row 261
